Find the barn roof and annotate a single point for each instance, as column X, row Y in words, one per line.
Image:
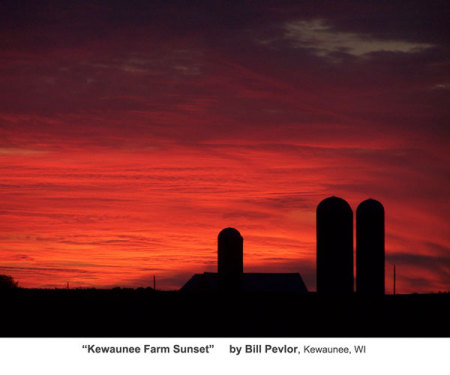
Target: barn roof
column 252, row 282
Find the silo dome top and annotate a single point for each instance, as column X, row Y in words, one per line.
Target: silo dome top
column 370, row 205
column 230, row 233
column 333, row 204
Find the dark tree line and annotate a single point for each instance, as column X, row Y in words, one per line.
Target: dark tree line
column 8, row 282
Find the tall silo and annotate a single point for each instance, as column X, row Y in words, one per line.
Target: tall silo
column 370, row 248
column 230, row 260
column 334, row 247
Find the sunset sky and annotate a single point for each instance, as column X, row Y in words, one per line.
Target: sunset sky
column 131, row 133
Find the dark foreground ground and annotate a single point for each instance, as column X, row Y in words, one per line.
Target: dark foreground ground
column 146, row 313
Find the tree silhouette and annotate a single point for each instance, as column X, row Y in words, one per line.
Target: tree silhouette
column 8, row 282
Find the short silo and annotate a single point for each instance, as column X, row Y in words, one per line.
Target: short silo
column 230, row 260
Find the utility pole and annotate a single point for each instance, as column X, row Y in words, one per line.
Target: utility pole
column 154, row 282
column 394, row 279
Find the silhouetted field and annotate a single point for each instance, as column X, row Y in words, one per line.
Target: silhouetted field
column 146, row 313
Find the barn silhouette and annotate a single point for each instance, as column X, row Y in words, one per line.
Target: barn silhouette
column 230, row 277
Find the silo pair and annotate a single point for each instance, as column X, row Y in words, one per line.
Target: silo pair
column 335, row 247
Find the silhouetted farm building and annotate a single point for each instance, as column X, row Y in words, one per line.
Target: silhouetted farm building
column 334, row 256
column 230, row 262
column 231, row 278
column 370, row 248
column 334, row 247
column 251, row 282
